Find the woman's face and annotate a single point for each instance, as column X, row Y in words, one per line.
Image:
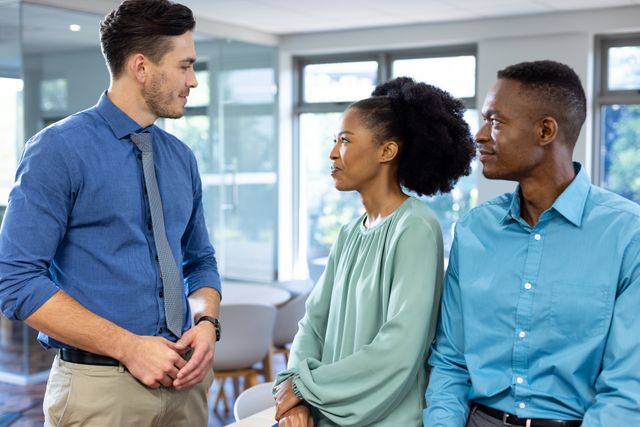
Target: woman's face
column 355, row 157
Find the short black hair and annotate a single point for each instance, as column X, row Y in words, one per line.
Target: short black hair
column 558, row 90
column 142, row 26
column 436, row 146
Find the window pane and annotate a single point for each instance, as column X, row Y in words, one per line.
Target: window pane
column 199, row 97
column 54, row 95
column 323, row 208
column 455, row 74
column 621, row 150
column 194, row 131
column 326, row 209
column 252, row 86
column 624, row 68
column 339, row 82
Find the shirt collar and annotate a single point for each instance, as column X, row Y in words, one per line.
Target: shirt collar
column 121, row 125
column 570, row 203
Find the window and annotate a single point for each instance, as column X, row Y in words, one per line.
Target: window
column 326, row 86
column 617, row 153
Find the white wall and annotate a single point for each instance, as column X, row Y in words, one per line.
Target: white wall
column 565, row 37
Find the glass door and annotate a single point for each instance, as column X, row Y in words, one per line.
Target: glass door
column 231, row 126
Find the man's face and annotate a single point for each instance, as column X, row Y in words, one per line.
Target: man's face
column 169, row 82
column 507, row 139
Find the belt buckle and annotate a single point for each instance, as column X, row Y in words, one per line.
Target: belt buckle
column 506, row 423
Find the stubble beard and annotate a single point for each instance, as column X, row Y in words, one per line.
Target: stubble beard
column 158, row 101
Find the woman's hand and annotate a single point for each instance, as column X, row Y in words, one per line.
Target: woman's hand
column 298, row 416
column 285, row 398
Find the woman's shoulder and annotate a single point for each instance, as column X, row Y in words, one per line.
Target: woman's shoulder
column 416, row 213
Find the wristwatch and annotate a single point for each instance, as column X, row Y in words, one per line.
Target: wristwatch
column 216, row 324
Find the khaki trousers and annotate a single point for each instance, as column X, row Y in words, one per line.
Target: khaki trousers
column 109, row 396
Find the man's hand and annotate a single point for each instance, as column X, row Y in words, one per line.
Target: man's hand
column 298, row 416
column 201, row 339
column 285, row 398
column 154, row 361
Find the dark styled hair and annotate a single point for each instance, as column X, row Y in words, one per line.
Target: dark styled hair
column 557, row 90
column 436, row 146
column 142, row 26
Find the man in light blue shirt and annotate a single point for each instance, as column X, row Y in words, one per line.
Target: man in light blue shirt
column 539, row 323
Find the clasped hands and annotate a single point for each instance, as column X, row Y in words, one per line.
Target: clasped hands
column 156, row 361
column 290, row 410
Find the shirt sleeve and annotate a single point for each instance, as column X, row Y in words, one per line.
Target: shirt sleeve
column 309, row 340
column 365, row 386
column 34, row 225
column 449, row 382
column 199, row 264
column 617, row 399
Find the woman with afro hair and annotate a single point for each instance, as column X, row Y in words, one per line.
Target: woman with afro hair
column 359, row 356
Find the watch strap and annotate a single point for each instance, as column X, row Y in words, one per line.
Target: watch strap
column 214, row 321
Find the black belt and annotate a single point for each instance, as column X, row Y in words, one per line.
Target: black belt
column 511, row 420
column 86, row 358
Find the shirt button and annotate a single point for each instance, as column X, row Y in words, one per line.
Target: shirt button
column 149, row 226
column 140, row 156
column 519, row 380
column 522, row 334
column 161, row 294
column 537, row 236
column 527, row 285
column 157, row 259
column 522, row 405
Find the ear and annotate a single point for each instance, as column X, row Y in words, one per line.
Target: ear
column 389, row 151
column 547, row 130
column 138, row 67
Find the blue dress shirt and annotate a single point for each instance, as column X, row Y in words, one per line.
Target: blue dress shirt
column 78, row 220
column 542, row 322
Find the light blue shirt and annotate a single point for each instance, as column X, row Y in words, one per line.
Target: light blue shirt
column 78, row 220
column 542, row 322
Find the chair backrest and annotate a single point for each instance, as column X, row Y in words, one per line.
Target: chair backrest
column 247, row 330
column 287, row 320
column 253, row 400
column 295, row 287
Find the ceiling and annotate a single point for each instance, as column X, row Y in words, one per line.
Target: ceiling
column 46, row 29
column 282, row 17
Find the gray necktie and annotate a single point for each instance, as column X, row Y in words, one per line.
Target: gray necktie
column 173, row 290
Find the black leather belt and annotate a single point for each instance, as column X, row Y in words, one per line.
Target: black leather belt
column 511, row 420
column 86, row 358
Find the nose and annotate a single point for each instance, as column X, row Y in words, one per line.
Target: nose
column 335, row 152
column 483, row 134
column 192, row 81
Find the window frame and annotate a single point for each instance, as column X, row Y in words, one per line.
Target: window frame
column 604, row 96
column 385, row 60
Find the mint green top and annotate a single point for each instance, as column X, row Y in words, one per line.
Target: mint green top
column 360, row 352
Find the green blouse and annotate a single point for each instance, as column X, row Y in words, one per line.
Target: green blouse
column 359, row 357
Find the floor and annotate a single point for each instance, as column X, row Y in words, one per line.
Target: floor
column 21, row 406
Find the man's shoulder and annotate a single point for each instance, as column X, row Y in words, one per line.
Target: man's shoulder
column 87, row 119
column 607, row 200
column 495, row 208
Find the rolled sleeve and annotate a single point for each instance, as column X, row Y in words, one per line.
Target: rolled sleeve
column 33, row 226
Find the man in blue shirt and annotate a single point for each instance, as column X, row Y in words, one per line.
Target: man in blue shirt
column 539, row 323
column 81, row 251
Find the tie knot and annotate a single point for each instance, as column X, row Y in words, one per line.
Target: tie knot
column 142, row 141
